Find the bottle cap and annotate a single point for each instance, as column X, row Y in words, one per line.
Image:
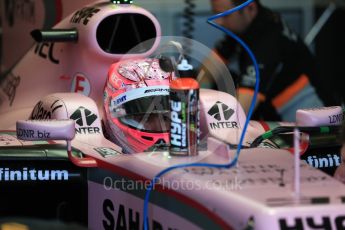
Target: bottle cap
column 184, row 66
column 184, row 84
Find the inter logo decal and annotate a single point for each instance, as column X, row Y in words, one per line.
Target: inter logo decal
column 220, row 109
column 84, row 118
column 222, row 113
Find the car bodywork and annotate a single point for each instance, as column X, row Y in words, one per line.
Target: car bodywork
column 256, row 194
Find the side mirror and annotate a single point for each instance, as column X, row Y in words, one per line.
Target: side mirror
column 324, row 116
column 36, row 130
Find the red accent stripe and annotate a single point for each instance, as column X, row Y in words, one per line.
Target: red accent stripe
column 303, row 148
column 184, row 199
column 264, row 125
column 58, row 9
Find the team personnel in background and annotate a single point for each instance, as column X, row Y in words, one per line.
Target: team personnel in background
column 330, row 51
column 289, row 79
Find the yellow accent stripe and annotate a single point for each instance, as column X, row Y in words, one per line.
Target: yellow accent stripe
column 13, row 226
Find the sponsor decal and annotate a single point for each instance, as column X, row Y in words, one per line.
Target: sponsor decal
column 219, row 110
column 19, row 9
column 107, row 152
column 116, row 203
column 177, row 137
column 336, row 119
column 26, row 174
column 222, row 113
column 118, row 216
column 81, row 84
column 144, row 91
column 119, row 100
column 31, row 134
column 116, row 82
column 249, row 169
column 84, row 15
column 84, row 119
column 9, row 86
column 40, row 112
column 325, row 222
column 157, row 90
column 331, row 160
column 253, row 175
column 46, row 51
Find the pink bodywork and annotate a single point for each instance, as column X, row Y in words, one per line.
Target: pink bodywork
column 65, row 67
column 19, row 18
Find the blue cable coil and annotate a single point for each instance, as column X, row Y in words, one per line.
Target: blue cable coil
column 249, row 115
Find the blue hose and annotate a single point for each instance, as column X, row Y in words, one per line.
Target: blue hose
column 250, row 113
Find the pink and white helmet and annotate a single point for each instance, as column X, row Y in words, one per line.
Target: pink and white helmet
column 136, row 100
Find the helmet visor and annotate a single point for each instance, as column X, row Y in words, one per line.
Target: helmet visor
column 148, row 114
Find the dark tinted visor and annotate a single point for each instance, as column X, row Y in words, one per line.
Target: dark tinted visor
column 149, row 114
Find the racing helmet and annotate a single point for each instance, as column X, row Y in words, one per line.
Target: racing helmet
column 136, row 104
